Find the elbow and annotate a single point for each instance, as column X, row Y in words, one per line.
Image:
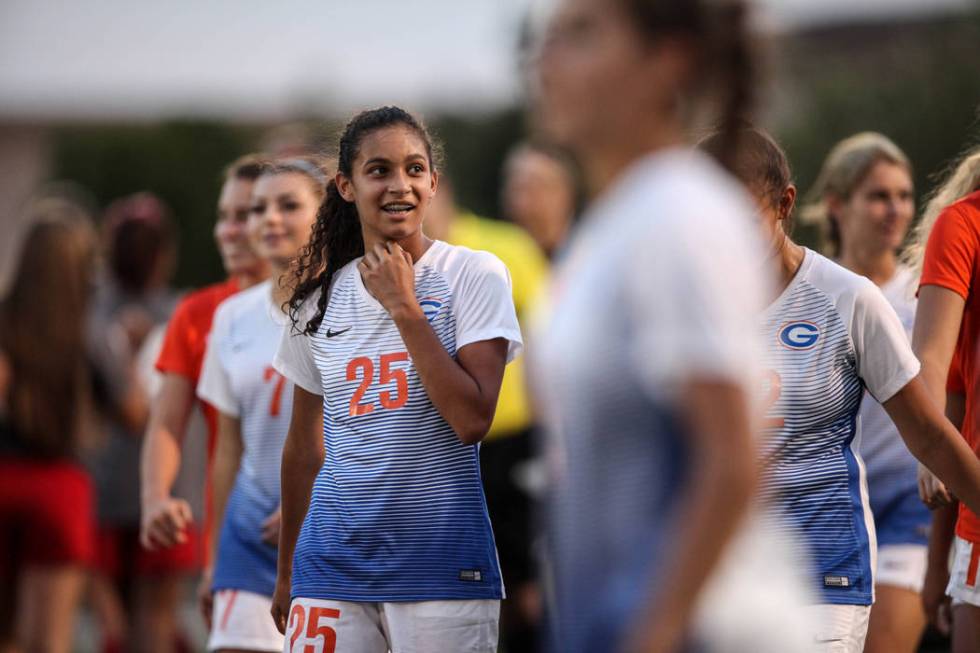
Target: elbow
column 474, row 430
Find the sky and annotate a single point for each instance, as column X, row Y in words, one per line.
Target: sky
column 269, row 60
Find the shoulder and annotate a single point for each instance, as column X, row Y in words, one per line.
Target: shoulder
column 683, row 195
column 242, row 303
column 459, row 262
column 836, row 281
column 204, row 301
column 962, row 215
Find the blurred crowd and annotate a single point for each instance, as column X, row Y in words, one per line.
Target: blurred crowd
column 85, row 320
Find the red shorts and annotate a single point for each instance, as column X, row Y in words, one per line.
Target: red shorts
column 120, row 554
column 47, row 514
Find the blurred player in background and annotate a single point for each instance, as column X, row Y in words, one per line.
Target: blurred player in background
column 48, row 391
column 946, row 249
column 506, row 452
column 865, row 198
column 253, row 402
column 406, row 339
column 644, row 373
column 167, row 521
column 134, row 590
column 831, row 334
column 540, row 193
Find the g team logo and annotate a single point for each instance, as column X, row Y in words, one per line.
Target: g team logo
column 799, row 335
column 430, row 306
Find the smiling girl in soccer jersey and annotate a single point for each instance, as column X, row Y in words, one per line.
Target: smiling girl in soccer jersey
column 831, row 334
column 406, row 340
column 252, row 399
column 866, row 198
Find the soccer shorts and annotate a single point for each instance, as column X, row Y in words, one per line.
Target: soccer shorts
column 963, row 587
column 839, row 628
column 243, row 620
column 47, row 513
column 401, row 627
column 902, row 566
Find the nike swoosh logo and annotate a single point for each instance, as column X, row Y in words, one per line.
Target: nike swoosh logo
column 331, row 334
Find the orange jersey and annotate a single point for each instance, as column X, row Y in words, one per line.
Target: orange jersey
column 186, row 341
column 952, row 261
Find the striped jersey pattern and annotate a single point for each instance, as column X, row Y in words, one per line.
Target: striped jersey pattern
column 239, row 380
column 813, row 389
column 397, row 511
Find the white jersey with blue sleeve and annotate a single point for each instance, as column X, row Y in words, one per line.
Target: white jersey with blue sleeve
column 239, row 380
column 397, row 511
column 831, row 334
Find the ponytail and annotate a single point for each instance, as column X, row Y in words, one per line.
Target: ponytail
column 734, row 63
column 718, row 31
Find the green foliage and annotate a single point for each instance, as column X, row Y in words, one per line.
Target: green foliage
column 915, row 83
column 181, row 162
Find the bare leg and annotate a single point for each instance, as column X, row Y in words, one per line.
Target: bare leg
column 966, row 629
column 48, row 601
column 109, row 610
column 157, row 600
column 897, row 621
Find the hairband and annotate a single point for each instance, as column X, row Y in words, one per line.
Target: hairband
column 304, row 166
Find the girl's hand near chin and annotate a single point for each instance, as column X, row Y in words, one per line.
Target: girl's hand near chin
column 389, row 275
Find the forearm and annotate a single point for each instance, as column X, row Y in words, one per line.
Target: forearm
column 717, row 496
column 160, row 457
column 160, row 461
column 227, row 458
column 299, row 470
column 948, row 456
column 941, row 534
column 457, row 396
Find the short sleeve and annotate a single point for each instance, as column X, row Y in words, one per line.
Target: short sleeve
column 214, row 386
column 175, row 354
column 885, row 361
column 695, row 290
column 951, row 253
column 294, row 358
column 484, row 305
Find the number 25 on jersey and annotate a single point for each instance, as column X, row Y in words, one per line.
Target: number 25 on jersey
column 362, row 369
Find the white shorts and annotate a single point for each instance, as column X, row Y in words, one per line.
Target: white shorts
column 839, row 628
column 410, row 627
column 902, row 565
column 963, row 586
column 243, row 620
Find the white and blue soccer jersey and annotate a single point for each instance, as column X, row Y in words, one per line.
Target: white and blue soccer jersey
column 238, row 379
column 900, row 516
column 831, row 334
column 397, row 511
column 661, row 284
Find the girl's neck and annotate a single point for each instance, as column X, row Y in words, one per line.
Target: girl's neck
column 606, row 164
column 790, row 256
column 248, row 279
column 416, row 244
column 878, row 266
column 280, row 284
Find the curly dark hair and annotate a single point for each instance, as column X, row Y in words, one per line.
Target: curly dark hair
column 337, row 238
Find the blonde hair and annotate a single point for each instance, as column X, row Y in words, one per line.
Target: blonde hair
column 963, row 180
column 843, row 170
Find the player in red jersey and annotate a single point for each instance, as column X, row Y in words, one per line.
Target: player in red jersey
column 167, row 521
column 946, row 248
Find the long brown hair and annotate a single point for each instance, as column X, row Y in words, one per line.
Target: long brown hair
column 42, row 329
